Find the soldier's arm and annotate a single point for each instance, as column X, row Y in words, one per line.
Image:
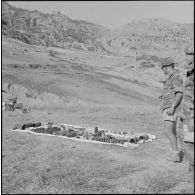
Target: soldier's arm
column 178, row 100
column 178, row 89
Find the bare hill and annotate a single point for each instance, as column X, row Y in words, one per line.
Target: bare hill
column 56, row 29
column 149, row 36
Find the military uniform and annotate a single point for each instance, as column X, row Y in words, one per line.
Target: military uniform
column 188, row 89
column 188, row 99
column 171, row 105
column 188, row 110
column 171, row 86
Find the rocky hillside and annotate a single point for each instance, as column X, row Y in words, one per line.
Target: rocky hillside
column 149, row 35
column 56, row 29
column 139, row 37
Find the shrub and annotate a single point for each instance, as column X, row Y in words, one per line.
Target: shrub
column 147, row 65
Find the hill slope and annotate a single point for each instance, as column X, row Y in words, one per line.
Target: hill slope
column 56, row 29
column 149, row 35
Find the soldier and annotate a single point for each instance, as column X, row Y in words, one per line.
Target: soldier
column 171, row 105
column 188, row 106
column 188, row 99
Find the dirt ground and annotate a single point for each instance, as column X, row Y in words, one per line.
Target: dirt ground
column 43, row 164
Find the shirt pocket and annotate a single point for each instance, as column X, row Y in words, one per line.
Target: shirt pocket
column 168, row 93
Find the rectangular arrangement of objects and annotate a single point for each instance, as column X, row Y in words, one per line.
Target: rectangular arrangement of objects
column 86, row 133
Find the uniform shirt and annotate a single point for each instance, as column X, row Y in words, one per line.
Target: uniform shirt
column 188, row 96
column 172, row 85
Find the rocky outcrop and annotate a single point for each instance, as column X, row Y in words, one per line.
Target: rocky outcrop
column 133, row 39
column 149, row 35
column 56, row 29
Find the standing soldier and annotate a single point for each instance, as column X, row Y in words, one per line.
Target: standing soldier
column 188, row 107
column 171, row 105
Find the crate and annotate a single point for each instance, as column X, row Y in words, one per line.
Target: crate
column 19, row 106
column 25, row 110
column 6, row 107
column 11, row 107
column 12, row 101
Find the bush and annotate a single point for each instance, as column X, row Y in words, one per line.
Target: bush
column 147, row 65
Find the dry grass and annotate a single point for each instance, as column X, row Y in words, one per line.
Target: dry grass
column 42, row 164
column 39, row 164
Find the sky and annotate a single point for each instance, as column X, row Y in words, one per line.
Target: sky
column 113, row 14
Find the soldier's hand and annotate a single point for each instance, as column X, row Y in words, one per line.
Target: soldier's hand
column 171, row 110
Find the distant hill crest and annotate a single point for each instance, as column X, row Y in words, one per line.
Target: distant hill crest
column 58, row 30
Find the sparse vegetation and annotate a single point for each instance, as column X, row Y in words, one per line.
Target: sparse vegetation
column 31, row 25
column 88, row 89
column 82, row 35
column 147, row 64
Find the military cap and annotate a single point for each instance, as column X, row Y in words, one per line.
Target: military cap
column 189, row 49
column 167, row 62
